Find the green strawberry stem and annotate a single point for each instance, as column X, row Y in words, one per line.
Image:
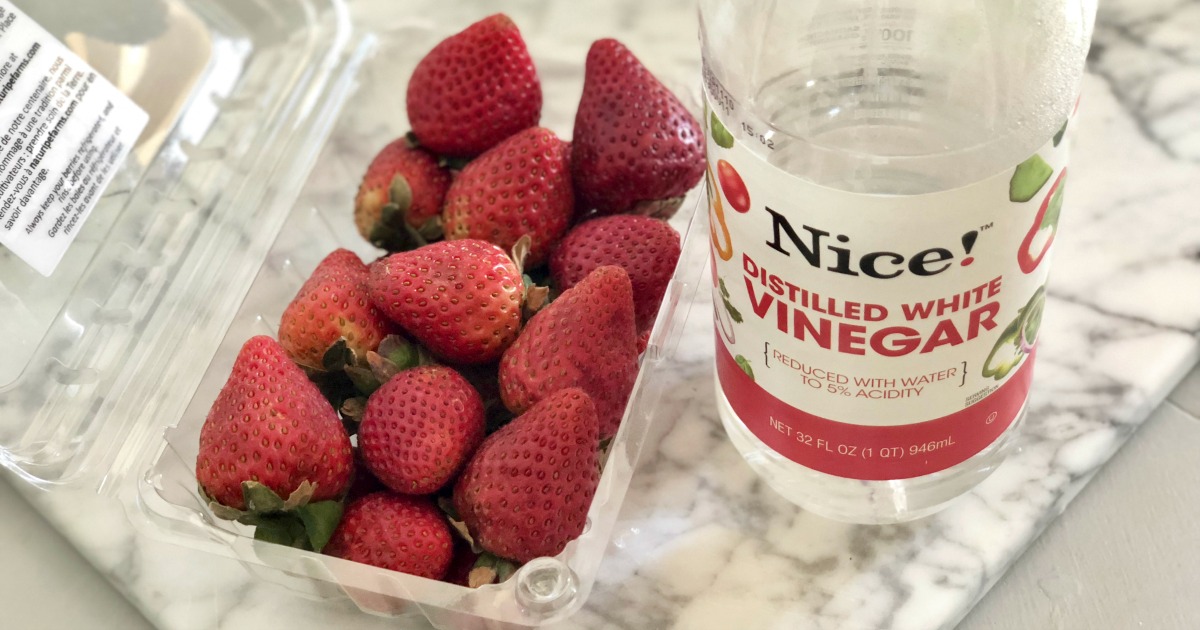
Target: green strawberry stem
column 490, row 569
column 294, row 522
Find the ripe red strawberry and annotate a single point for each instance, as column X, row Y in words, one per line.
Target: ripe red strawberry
column 270, row 424
column 420, row 427
column 521, row 186
column 399, row 202
column 460, row 299
column 586, row 338
column 635, row 145
column 474, row 89
column 647, row 249
column 395, row 532
column 333, row 304
column 527, row 490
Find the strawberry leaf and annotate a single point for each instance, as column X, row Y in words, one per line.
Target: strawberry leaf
column 320, row 519
column 481, row 576
column 300, row 496
column 400, row 351
column 431, row 230
column 382, row 368
column 520, row 252
column 364, row 379
column 658, row 208
column 490, row 569
column 284, row 529
column 353, row 408
column 261, row 499
column 446, row 504
column 393, row 232
column 401, row 196
column 225, row 512
column 338, row 356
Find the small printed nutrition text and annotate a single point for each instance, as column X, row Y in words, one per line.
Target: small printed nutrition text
column 27, row 139
column 32, row 133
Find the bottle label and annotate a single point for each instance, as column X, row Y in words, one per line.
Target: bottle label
column 64, row 133
column 877, row 337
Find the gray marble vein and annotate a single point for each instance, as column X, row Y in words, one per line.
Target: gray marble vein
column 701, row 543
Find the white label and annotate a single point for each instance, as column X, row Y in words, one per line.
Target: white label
column 878, row 336
column 64, row 133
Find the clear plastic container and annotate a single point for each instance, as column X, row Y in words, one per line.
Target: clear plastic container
column 263, row 116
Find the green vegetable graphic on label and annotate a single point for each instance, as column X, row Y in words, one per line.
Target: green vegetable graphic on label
column 1028, row 179
column 1018, row 338
column 1053, row 210
column 1061, row 132
column 720, row 134
column 733, row 312
column 1006, row 354
column 1031, row 319
column 744, row 363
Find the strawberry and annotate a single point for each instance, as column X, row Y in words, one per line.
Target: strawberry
column 395, row 532
column 460, row 299
column 474, row 89
column 400, row 199
column 643, row 342
column 333, row 304
column 420, row 427
column 636, row 148
column 526, row 492
column 521, row 186
column 586, row 338
column 647, row 249
column 270, row 425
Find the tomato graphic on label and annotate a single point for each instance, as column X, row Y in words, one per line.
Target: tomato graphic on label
column 1045, row 226
column 733, row 187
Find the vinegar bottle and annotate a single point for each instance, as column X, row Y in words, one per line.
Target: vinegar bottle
column 885, row 181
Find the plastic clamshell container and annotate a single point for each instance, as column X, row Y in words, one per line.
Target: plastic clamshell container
column 264, row 115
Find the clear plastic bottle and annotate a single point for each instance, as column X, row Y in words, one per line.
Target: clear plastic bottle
column 885, row 183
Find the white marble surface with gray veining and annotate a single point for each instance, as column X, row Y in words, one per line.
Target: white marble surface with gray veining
column 701, row 543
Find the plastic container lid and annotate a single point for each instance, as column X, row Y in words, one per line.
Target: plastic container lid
column 263, row 116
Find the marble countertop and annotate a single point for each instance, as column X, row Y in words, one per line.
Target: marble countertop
column 701, row 543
